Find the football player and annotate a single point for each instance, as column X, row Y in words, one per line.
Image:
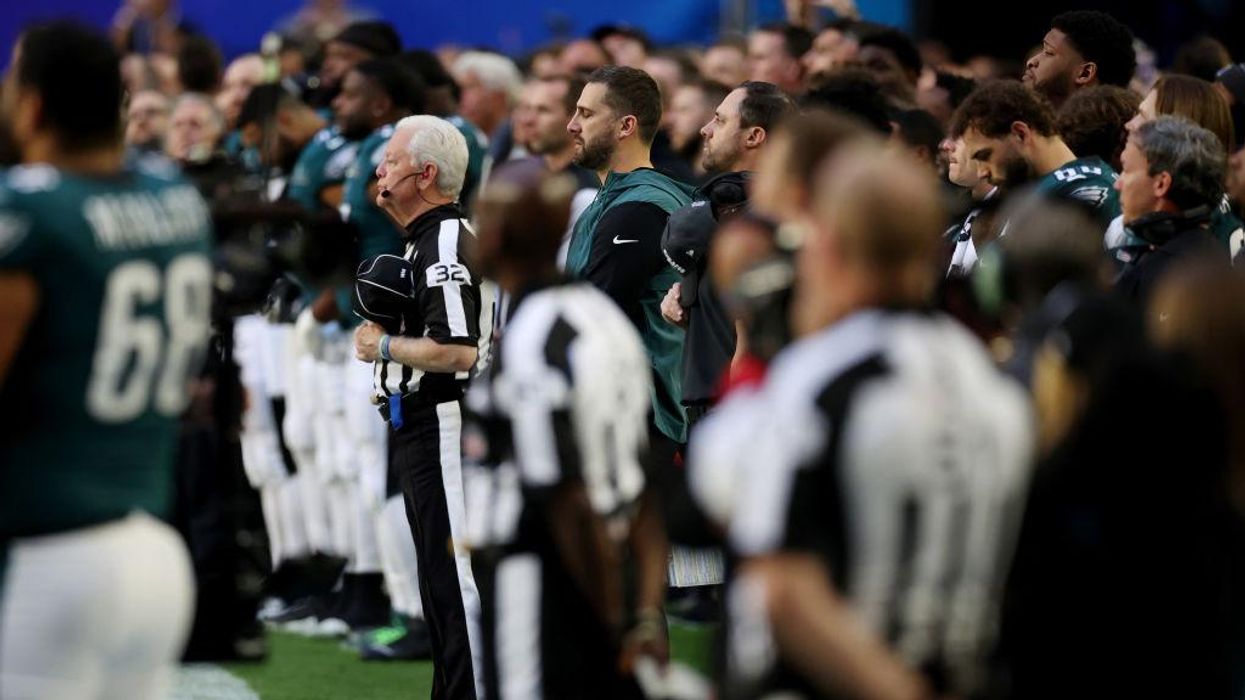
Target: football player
column 105, row 296
column 1012, row 136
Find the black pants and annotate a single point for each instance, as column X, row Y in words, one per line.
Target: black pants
column 542, row 638
column 425, row 456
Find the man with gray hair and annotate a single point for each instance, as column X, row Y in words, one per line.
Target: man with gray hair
column 1170, row 186
column 490, row 85
column 423, row 355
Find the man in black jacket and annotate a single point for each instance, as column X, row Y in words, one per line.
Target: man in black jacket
column 733, row 140
column 1172, row 181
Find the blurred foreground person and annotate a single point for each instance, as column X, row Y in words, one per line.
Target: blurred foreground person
column 105, row 294
column 750, row 260
column 1130, row 553
column 871, row 487
column 1199, row 310
column 559, row 520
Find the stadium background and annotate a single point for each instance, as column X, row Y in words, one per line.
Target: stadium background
column 309, row 669
column 518, row 26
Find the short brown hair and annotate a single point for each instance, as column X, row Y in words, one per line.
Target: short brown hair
column 887, row 217
column 1195, row 100
column 764, row 105
column 630, row 91
column 992, row 109
column 816, row 134
column 1092, row 121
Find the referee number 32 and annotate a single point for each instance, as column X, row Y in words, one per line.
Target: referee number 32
column 442, row 274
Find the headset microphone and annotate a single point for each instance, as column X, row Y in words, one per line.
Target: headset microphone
column 387, row 193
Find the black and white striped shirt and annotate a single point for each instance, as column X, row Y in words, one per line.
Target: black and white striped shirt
column 567, row 398
column 454, row 304
column 890, row 447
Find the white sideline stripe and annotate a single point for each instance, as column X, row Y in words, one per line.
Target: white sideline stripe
column 209, row 682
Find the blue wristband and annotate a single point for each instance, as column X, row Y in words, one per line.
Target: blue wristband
column 384, row 348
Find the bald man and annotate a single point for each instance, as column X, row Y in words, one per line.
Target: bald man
column 243, row 73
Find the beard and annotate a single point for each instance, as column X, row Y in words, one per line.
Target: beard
column 595, row 154
column 719, row 160
column 1016, row 171
column 1056, row 89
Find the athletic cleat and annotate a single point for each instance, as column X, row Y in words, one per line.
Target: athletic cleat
column 385, row 635
column 414, row 645
column 299, row 610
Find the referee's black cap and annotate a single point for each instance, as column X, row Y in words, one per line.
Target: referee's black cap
column 384, row 292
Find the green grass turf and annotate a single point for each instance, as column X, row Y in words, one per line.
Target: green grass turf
column 299, row 668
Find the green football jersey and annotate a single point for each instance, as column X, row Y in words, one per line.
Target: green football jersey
column 90, row 407
column 378, row 232
column 1088, row 180
column 322, row 163
column 1227, row 228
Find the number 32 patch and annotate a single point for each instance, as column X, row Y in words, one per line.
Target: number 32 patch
column 443, row 274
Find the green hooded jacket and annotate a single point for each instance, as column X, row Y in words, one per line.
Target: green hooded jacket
column 662, row 341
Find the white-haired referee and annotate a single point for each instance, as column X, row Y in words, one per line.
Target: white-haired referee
column 422, row 365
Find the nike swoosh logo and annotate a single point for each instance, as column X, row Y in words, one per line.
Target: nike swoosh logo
column 618, row 240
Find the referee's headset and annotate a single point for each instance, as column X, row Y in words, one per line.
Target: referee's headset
column 388, row 191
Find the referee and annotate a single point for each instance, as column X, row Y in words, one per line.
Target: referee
column 560, row 522
column 871, row 488
column 420, row 375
